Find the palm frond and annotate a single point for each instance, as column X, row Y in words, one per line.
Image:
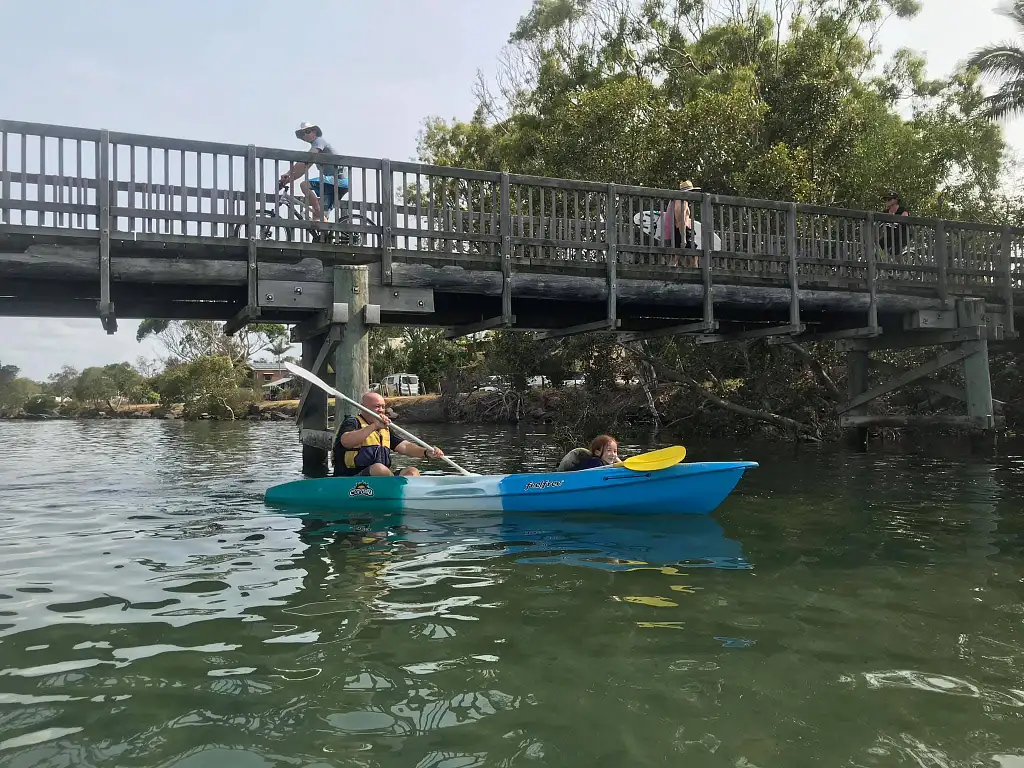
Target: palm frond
column 1008, row 101
column 999, row 61
column 1014, row 11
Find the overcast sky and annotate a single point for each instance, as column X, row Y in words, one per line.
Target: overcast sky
column 233, row 72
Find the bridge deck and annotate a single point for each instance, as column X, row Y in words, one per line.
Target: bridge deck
column 97, row 222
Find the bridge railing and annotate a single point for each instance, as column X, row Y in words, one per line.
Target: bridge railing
column 123, row 187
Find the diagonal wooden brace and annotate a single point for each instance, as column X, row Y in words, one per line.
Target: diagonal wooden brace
column 331, row 341
column 949, row 358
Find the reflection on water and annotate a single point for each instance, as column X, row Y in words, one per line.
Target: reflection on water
column 613, row 542
column 839, row 609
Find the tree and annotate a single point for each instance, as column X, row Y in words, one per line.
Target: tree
column 188, row 340
column 388, row 353
column 279, row 348
column 740, row 98
column 147, row 367
column 204, row 385
column 94, row 385
column 1003, row 61
column 765, row 99
column 127, row 383
column 14, row 390
column 62, row 383
column 431, row 356
column 8, row 373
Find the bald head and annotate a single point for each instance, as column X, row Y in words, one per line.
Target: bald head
column 374, row 401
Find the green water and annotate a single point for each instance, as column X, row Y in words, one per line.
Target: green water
column 839, row 609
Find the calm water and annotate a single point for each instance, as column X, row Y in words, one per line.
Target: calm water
column 838, row 610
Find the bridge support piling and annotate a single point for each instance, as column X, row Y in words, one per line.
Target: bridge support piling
column 977, row 381
column 313, row 411
column 963, row 340
column 338, row 336
column 858, row 364
column 351, row 359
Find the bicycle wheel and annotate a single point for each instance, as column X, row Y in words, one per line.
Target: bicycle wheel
column 351, row 238
column 267, row 231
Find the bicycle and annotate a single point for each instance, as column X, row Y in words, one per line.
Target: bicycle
column 296, row 208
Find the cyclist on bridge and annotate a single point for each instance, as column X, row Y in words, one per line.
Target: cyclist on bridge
column 323, row 186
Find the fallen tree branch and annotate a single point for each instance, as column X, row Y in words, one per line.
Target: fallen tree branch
column 667, row 372
column 816, row 368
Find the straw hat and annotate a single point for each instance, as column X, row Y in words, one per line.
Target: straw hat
column 687, row 186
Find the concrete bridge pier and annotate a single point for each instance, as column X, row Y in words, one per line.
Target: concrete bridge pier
column 960, row 333
column 334, row 340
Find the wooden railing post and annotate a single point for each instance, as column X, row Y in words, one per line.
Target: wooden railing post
column 707, row 244
column 941, row 259
column 387, row 219
column 5, row 180
column 1006, row 250
column 794, row 296
column 252, row 293
column 106, row 307
column 868, row 236
column 611, row 235
column 505, row 224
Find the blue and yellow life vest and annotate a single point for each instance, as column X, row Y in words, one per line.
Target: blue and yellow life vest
column 375, row 449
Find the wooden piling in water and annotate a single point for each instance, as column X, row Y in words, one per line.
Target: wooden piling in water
column 313, row 411
column 351, row 358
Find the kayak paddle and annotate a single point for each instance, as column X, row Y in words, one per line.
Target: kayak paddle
column 314, row 379
column 663, row 458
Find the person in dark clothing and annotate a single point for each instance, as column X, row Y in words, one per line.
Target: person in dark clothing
column 894, row 236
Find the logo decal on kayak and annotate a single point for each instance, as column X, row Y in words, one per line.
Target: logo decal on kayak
column 361, row 489
column 543, row 484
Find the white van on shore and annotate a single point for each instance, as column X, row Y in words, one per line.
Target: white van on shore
column 400, row 384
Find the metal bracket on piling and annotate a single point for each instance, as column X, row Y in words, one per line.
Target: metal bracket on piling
column 337, row 313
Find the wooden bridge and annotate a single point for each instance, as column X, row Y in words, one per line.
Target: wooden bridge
column 95, row 223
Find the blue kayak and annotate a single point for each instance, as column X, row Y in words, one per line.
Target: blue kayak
column 690, row 488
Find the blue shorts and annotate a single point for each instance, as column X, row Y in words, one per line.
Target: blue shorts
column 328, row 193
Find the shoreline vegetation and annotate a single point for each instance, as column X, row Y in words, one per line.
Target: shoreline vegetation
column 782, row 405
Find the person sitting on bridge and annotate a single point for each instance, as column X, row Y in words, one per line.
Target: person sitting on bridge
column 603, row 450
column 323, row 186
column 363, row 446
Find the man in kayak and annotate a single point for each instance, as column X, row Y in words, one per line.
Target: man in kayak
column 363, row 445
column 603, row 450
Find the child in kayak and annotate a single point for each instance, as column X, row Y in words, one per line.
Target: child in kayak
column 603, row 450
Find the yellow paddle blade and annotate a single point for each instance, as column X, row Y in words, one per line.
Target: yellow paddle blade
column 654, row 460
